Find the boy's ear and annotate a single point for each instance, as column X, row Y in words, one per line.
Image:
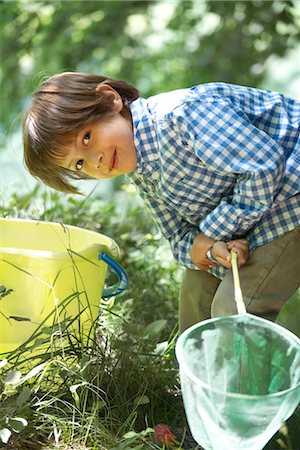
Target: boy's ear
column 112, row 94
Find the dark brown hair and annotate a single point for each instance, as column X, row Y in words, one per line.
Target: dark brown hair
column 61, row 106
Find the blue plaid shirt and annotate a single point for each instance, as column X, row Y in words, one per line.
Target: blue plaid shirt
column 218, row 159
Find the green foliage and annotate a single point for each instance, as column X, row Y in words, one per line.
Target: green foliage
column 110, row 393
column 289, row 316
column 15, row 404
column 156, row 45
column 107, row 392
column 144, row 253
column 119, row 381
column 93, row 390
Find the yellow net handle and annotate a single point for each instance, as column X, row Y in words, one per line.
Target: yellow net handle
column 236, row 282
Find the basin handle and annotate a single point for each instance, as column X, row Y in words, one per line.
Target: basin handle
column 122, row 283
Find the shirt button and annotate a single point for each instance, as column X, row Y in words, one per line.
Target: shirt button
column 155, row 176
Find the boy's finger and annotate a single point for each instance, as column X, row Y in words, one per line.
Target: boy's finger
column 202, row 266
column 236, row 244
column 242, row 241
column 224, row 262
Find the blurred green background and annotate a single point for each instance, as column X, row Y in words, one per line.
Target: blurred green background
column 156, row 45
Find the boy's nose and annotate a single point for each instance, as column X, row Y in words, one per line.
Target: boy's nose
column 97, row 160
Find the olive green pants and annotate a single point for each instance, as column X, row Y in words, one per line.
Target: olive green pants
column 268, row 279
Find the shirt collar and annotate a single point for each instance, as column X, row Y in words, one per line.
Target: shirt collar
column 144, row 132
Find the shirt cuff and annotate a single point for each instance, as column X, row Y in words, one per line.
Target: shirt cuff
column 226, row 221
column 220, row 225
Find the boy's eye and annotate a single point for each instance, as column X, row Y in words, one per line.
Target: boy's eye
column 79, row 164
column 86, row 138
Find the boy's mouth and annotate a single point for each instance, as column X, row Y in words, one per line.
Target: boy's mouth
column 113, row 161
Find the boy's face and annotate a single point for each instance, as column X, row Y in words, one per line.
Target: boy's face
column 103, row 149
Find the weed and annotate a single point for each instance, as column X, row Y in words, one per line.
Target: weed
column 105, row 389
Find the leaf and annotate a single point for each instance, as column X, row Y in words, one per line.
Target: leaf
column 3, row 363
column 23, row 397
column 289, row 316
column 39, row 342
column 17, row 424
column 47, row 330
column 5, row 434
column 161, row 347
column 147, row 431
column 13, row 377
column 154, row 328
column 4, row 292
column 75, row 395
column 34, row 371
column 20, row 319
column 143, row 400
column 74, row 387
column 130, row 435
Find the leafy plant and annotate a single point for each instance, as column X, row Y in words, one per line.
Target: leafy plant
column 110, row 390
column 15, row 402
column 103, row 389
column 145, row 42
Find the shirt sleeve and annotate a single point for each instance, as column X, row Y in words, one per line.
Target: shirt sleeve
column 175, row 229
column 226, row 141
column 179, row 233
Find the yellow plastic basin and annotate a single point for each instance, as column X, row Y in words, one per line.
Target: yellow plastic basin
column 45, row 265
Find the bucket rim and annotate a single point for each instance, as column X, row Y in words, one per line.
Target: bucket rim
column 46, row 222
column 180, row 358
column 111, row 245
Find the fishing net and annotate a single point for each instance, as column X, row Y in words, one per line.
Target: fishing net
column 240, row 378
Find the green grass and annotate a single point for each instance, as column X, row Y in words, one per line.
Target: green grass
column 109, row 387
column 95, row 391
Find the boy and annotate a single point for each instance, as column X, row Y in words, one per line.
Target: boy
column 217, row 166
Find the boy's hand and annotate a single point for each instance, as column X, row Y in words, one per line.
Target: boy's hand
column 241, row 247
column 221, row 252
column 198, row 252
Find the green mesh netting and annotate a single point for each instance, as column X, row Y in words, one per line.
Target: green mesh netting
column 240, row 379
